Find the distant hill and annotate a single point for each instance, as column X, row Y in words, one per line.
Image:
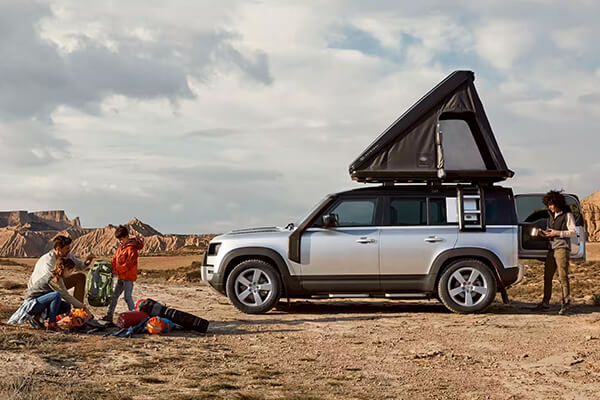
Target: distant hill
column 30, row 234
column 591, row 212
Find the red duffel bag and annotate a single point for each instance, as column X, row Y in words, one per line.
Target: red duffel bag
column 130, row 318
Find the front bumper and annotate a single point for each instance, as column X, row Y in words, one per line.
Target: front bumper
column 214, row 280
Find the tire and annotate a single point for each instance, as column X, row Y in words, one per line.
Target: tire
column 467, row 286
column 254, row 286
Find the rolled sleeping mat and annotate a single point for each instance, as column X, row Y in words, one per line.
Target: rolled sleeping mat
column 182, row 318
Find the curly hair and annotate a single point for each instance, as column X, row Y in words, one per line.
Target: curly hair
column 555, row 197
column 62, row 264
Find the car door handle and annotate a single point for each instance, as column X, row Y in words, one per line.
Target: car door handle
column 364, row 240
column 434, row 239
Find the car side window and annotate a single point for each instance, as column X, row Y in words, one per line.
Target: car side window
column 408, row 211
column 437, row 211
column 355, row 212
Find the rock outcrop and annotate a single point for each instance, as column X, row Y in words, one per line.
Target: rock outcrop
column 591, row 213
column 25, row 234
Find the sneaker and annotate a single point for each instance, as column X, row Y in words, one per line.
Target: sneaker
column 542, row 307
column 53, row 326
column 564, row 309
column 35, row 322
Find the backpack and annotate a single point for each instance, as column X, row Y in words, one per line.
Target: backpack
column 187, row 320
column 98, row 285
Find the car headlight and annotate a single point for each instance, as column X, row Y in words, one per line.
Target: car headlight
column 213, row 249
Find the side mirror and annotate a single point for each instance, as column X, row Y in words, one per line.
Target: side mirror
column 330, row 220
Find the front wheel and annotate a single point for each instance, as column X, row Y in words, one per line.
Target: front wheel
column 467, row 286
column 254, row 287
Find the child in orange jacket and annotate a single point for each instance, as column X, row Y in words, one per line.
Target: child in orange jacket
column 125, row 264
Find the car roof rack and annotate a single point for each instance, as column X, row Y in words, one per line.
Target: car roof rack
column 444, row 137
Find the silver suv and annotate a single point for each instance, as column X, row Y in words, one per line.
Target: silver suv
column 437, row 227
column 399, row 242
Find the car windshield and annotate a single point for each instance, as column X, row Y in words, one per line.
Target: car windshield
column 315, row 207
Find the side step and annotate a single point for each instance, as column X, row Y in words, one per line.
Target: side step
column 367, row 295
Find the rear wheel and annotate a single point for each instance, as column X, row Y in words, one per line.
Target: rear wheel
column 254, row 286
column 467, row 286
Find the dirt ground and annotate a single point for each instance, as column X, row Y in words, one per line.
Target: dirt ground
column 373, row 349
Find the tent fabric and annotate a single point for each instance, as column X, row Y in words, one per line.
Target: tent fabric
column 415, row 147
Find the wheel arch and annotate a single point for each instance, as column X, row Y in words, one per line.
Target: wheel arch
column 443, row 260
column 267, row 255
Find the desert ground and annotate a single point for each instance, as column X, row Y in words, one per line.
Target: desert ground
column 373, row 349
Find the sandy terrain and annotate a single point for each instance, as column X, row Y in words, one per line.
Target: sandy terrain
column 317, row 350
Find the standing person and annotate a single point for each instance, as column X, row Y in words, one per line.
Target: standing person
column 125, row 265
column 49, row 294
column 62, row 249
column 560, row 229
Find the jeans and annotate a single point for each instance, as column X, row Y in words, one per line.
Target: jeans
column 53, row 303
column 121, row 286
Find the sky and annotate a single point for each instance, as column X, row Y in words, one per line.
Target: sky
column 204, row 116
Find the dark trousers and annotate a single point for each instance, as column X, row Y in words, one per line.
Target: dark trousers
column 557, row 259
column 51, row 302
column 76, row 281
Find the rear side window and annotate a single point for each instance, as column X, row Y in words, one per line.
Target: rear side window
column 355, row 212
column 408, row 211
column 437, row 212
column 499, row 209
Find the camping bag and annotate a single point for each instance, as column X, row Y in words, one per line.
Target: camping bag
column 130, row 318
column 156, row 325
column 187, row 320
column 99, row 284
column 75, row 320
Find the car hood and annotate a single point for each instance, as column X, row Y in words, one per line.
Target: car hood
column 268, row 231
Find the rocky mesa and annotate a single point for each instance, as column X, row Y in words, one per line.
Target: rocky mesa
column 29, row 234
column 591, row 213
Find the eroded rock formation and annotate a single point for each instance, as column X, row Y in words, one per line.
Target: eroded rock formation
column 591, row 214
column 24, row 234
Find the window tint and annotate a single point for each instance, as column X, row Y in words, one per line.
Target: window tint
column 532, row 208
column 437, row 212
column 499, row 209
column 460, row 150
column 355, row 212
column 405, row 211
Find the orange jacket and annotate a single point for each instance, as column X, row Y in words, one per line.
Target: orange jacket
column 125, row 260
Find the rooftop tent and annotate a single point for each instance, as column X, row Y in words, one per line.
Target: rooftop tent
column 445, row 136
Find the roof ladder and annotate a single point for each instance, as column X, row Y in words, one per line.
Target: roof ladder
column 471, row 208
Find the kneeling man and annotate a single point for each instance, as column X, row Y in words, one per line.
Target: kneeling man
column 46, row 263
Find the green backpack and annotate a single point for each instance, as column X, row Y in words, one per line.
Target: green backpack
column 98, row 284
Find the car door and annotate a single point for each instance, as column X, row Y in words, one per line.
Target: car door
column 416, row 230
column 345, row 258
column 531, row 212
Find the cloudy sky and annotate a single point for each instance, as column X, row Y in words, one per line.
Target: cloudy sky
column 202, row 116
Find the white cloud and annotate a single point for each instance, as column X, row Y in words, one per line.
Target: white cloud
column 502, row 42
